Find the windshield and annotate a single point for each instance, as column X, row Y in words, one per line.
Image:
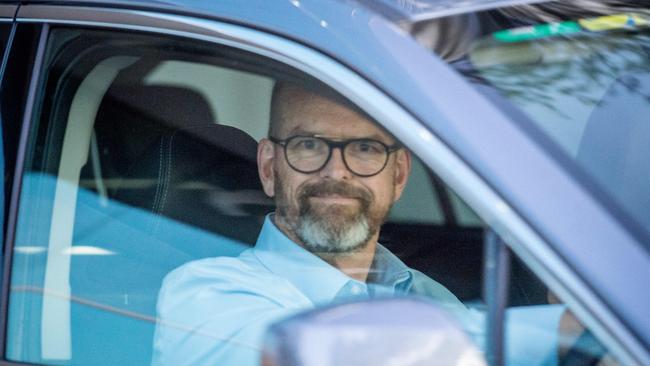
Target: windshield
column 584, row 82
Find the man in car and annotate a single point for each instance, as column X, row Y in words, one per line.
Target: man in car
column 334, row 176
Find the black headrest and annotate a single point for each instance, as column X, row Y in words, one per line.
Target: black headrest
column 226, row 139
column 167, row 105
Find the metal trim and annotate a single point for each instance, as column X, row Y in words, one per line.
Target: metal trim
column 7, row 50
column 496, row 284
column 435, row 154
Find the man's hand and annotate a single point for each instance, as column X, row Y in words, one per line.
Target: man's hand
column 577, row 346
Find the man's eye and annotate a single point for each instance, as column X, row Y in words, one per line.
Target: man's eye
column 364, row 147
column 308, row 144
column 368, row 147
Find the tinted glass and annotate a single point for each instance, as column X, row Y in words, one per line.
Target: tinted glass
column 128, row 176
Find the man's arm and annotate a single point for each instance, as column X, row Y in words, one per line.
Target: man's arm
column 215, row 312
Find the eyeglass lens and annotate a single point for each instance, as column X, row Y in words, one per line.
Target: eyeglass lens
column 310, row 154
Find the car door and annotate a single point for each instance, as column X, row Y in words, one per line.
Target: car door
column 124, row 175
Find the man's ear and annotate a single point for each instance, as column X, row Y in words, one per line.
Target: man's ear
column 402, row 171
column 265, row 162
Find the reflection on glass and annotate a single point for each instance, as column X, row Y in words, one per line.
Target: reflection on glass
column 586, row 85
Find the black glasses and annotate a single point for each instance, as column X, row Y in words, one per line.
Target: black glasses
column 309, row 154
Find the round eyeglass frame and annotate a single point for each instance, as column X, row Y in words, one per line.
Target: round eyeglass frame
column 331, row 145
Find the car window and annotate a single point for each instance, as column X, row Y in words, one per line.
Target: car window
column 583, row 83
column 118, row 147
column 146, row 233
column 141, row 164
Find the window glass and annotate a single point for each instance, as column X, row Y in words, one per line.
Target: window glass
column 179, row 197
column 585, row 84
column 141, row 199
column 129, row 175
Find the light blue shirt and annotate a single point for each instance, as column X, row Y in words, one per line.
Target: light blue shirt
column 215, row 311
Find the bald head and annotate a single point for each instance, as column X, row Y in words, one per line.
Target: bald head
column 289, row 99
column 284, row 95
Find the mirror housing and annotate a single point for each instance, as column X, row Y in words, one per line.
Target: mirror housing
column 397, row 331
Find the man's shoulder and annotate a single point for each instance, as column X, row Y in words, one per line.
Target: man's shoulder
column 426, row 286
column 215, row 270
column 238, row 276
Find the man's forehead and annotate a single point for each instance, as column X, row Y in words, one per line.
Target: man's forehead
column 317, row 115
column 346, row 131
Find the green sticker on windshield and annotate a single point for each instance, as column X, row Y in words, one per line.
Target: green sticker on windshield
column 537, row 31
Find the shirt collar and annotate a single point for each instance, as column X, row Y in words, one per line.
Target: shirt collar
column 317, row 279
column 388, row 270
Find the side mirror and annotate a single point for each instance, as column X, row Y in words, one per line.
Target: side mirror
column 399, row 331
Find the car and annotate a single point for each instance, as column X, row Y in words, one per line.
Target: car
column 129, row 147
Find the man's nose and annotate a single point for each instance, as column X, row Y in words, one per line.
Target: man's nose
column 335, row 167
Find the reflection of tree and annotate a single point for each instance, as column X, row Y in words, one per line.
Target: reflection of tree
column 568, row 66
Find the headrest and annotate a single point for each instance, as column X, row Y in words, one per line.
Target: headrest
column 167, row 105
column 227, row 139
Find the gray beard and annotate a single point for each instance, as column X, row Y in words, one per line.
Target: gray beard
column 321, row 236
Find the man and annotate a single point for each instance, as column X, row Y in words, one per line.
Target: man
column 334, row 176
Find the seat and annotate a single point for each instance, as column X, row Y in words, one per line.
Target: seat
column 177, row 187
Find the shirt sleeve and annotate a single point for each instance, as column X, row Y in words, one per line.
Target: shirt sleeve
column 424, row 285
column 532, row 334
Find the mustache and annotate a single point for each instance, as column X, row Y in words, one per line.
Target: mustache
column 332, row 187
